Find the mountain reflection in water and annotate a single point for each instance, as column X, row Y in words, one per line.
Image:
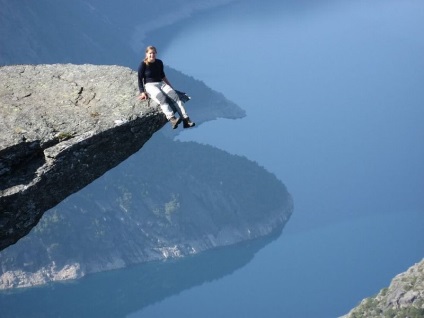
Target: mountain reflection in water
column 121, row 292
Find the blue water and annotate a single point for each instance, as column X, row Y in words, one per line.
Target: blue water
column 335, row 106
column 316, row 273
column 333, row 93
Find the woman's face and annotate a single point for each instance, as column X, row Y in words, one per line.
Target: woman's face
column 151, row 55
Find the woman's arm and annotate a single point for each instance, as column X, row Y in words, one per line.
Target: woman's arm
column 141, row 70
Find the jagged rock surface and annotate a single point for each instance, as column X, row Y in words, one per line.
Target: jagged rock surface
column 403, row 298
column 62, row 126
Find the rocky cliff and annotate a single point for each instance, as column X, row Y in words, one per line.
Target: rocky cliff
column 67, row 127
column 63, row 126
column 403, row 298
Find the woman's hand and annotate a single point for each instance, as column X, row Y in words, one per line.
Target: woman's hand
column 142, row 96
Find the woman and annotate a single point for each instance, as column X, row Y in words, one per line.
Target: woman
column 153, row 83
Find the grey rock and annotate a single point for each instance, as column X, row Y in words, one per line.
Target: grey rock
column 62, row 126
column 403, row 298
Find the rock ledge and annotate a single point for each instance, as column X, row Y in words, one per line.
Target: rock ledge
column 62, row 127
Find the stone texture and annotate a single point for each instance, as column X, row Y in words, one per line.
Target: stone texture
column 403, row 298
column 62, row 126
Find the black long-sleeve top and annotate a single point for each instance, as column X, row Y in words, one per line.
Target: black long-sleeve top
column 152, row 72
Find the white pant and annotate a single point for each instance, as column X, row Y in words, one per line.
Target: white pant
column 159, row 91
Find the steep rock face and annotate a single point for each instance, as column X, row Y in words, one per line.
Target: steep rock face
column 170, row 200
column 403, row 298
column 63, row 126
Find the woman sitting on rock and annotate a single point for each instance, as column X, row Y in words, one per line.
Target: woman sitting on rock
column 153, row 83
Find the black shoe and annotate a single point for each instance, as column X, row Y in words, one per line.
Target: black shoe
column 187, row 123
column 174, row 122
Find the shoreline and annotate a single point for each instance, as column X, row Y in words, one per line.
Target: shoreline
column 173, row 23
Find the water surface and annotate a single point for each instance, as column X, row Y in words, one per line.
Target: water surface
column 335, row 106
column 334, row 100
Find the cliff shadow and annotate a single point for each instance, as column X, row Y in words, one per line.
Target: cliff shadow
column 19, row 163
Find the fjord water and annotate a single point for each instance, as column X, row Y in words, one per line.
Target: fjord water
column 334, row 97
column 335, row 108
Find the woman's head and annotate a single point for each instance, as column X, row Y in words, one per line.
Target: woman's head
column 150, row 54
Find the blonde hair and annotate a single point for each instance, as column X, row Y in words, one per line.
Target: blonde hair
column 149, row 48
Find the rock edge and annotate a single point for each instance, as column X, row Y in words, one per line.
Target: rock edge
column 63, row 126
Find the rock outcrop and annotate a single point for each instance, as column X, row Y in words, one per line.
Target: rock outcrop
column 63, row 126
column 403, row 298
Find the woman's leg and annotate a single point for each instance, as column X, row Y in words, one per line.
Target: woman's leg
column 172, row 94
column 155, row 93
